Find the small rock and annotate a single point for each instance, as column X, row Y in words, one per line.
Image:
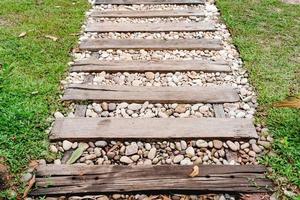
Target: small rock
column 53, row 149
column 58, row 115
column 101, row 143
column 201, row 144
column 131, row 149
column 256, row 148
column 190, row 152
column 152, row 153
column 231, row 145
column 183, row 144
column 125, row 159
column 147, row 146
column 134, row 106
column 112, row 106
column 245, row 145
column 104, row 106
column 150, row 75
column 67, row 145
column 186, row 161
column 178, row 158
column 217, row 144
column 265, row 144
column 57, row 162
column 180, row 108
column 136, row 83
column 135, row 158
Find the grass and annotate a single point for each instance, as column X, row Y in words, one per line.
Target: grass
column 31, row 68
column 267, row 36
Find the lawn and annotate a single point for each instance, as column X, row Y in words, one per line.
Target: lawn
column 267, row 36
column 36, row 37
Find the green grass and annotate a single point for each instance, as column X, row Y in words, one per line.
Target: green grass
column 267, row 36
column 31, row 68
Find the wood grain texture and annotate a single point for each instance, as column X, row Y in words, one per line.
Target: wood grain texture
column 127, row 2
column 102, row 27
column 148, row 13
column 153, row 44
column 87, row 129
column 95, row 65
column 187, row 94
column 82, row 179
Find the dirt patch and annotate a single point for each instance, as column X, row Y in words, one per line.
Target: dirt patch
column 291, row 1
column 4, row 177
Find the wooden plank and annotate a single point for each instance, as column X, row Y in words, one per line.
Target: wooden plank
column 95, row 65
column 153, row 44
column 128, row 2
column 82, row 179
column 148, row 13
column 219, row 110
column 102, row 27
column 87, row 129
column 187, row 94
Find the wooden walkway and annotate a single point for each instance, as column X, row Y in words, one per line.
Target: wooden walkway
column 52, row 180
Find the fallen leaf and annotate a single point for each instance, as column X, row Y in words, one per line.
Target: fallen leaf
column 30, row 184
column 290, row 102
column 77, row 153
column 195, row 171
column 23, row 34
column 33, row 164
column 51, row 37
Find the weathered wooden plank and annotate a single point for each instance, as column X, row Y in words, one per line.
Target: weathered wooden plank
column 149, row 27
column 153, row 44
column 219, row 110
column 95, row 65
column 192, row 94
column 87, row 129
column 148, row 13
column 90, row 179
column 128, row 2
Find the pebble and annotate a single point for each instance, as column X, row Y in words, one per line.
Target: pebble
column 256, row 148
column 126, row 160
column 101, row 143
column 231, row 145
column 53, row 149
column 201, row 144
column 134, row 106
column 178, row 158
column 67, row 145
column 58, row 115
column 217, row 144
column 152, row 153
column 190, row 152
column 131, row 149
column 150, row 75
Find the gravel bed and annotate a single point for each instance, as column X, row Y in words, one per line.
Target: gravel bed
column 147, row 197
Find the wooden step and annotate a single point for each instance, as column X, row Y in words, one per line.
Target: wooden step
column 88, row 129
column 148, row 13
column 102, row 27
column 95, row 65
column 151, row 44
column 187, row 94
column 128, row 2
column 86, row 179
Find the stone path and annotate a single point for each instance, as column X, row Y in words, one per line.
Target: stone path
column 85, row 71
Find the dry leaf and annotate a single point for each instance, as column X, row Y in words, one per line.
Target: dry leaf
column 195, row 171
column 33, row 164
column 51, row 37
column 290, row 102
column 22, row 34
column 30, row 184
